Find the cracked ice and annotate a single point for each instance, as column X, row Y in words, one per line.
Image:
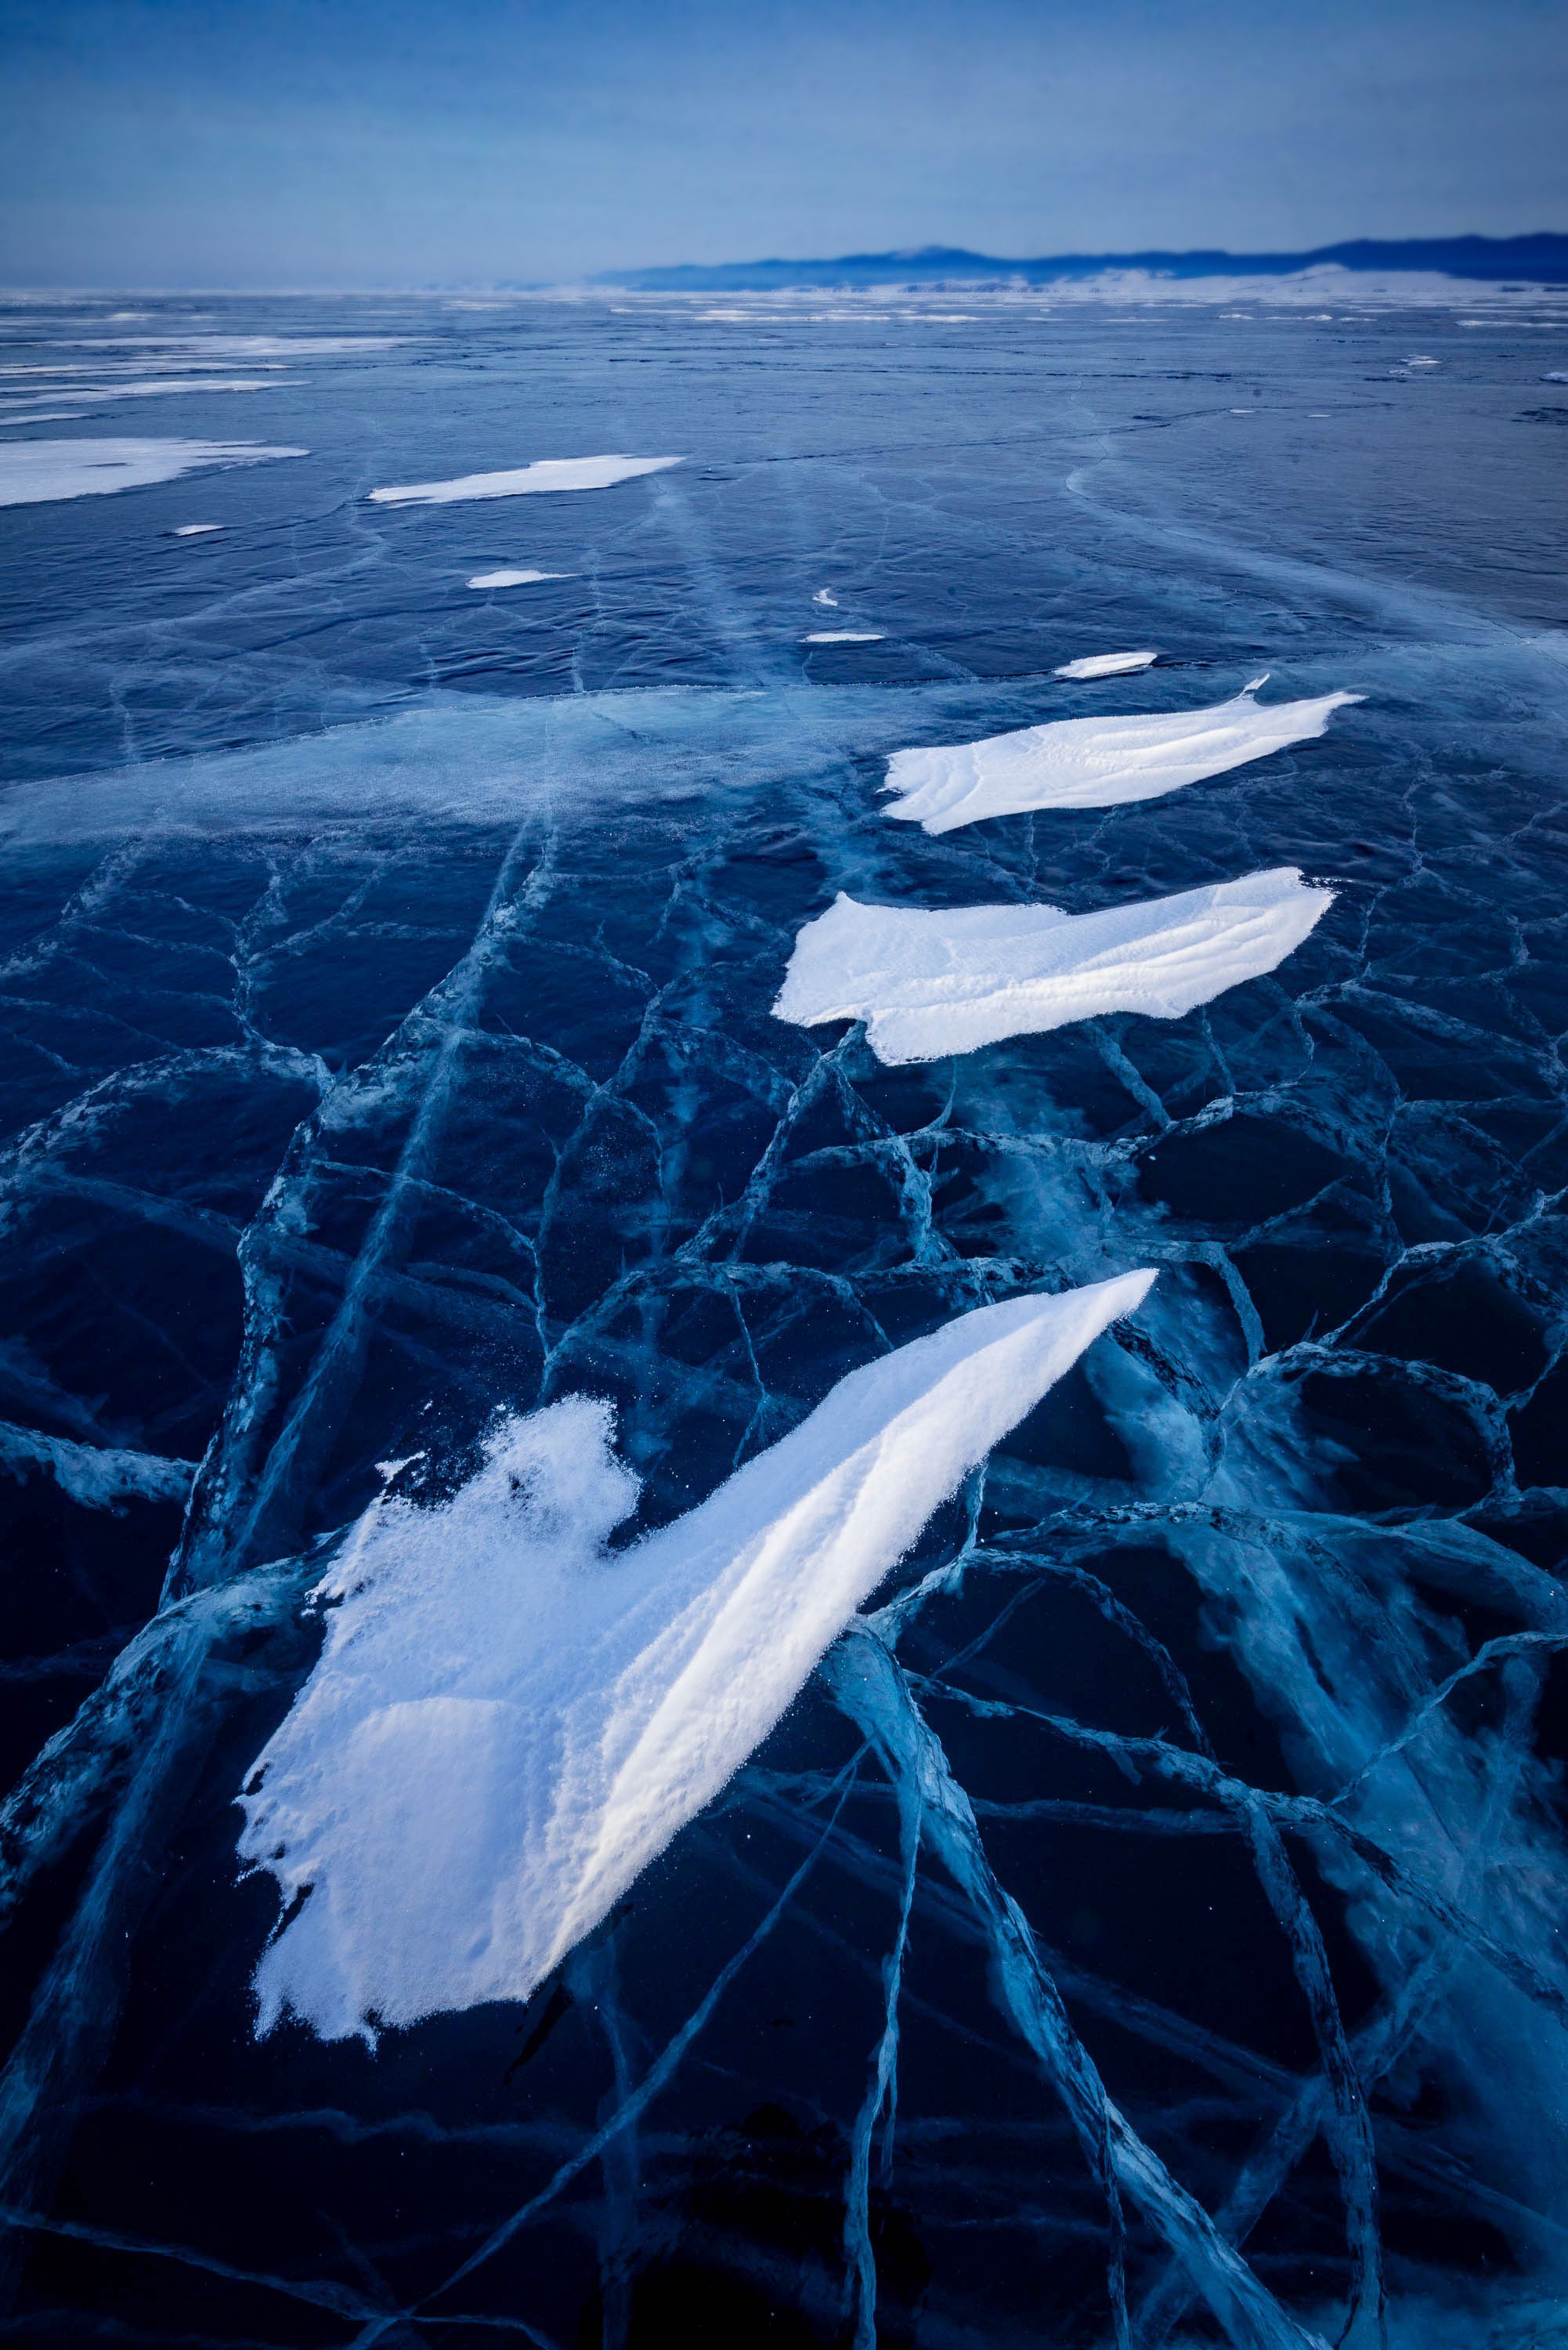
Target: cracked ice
column 1144, row 1921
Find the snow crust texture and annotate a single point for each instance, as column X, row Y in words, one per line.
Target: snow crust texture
column 507, row 1725
column 1092, row 762
column 545, row 475
column 927, row 984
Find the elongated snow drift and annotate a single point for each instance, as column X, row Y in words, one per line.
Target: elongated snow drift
column 1090, row 666
column 1089, row 763
column 506, row 1724
column 929, row 983
column 545, row 475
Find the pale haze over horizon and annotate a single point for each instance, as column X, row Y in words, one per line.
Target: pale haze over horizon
column 296, row 143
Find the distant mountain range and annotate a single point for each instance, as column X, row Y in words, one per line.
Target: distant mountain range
column 1532, row 260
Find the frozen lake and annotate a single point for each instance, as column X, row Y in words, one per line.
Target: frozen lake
column 1147, row 1914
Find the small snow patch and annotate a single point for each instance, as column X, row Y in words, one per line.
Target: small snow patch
column 1107, row 664
column 515, row 578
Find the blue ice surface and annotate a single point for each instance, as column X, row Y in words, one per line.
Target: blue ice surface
column 1146, row 1926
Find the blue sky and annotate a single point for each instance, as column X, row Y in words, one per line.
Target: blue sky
column 399, row 142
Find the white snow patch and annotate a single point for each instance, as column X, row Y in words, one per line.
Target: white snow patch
column 236, row 347
column 515, row 578
column 1107, row 664
column 844, row 637
column 1083, row 762
column 86, row 394
column 506, row 1724
column 526, row 481
column 928, row 984
column 33, row 471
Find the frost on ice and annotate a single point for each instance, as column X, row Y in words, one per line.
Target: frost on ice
column 33, row 471
column 526, row 481
column 507, row 1723
column 929, row 983
column 1106, row 665
column 1087, row 762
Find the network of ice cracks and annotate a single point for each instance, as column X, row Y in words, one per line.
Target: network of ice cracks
column 583, row 1158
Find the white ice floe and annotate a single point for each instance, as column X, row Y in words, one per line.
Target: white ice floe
column 1107, row 664
column 928, row 984
column 515, row 578
column 526, row 481
column 824, row 596
column 1087, row 762
column 846, row 637
column 508, row 1724
column 194, row 529
column 33, row 471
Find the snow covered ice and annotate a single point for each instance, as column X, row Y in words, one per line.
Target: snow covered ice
column 513, row 578
column 1144, row 1921
column 1091, row 763
column 1092, row 665
column 927, row 984
column 508, row 1725
column 34, row 471
column 545, row 475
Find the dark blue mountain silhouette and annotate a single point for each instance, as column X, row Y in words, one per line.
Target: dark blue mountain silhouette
column 1537, row 260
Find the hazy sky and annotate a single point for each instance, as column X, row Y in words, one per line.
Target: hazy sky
column 387, row 142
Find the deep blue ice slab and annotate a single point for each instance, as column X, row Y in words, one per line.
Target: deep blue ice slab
column 1175, row 1857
